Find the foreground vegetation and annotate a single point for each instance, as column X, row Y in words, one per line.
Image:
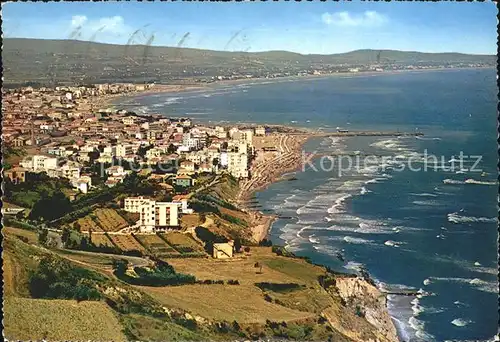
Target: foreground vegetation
column 260, row 294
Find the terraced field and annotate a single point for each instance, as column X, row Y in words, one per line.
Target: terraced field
column 87, row 223
column 101, row 239
column 155, row 245
column 127, row 243
column 110, row 220
column 183, row 243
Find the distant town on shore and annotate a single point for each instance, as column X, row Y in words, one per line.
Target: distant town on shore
column 70, row 62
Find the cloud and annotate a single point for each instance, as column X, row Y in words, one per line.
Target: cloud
column 346, row 19
column 111, row 25
column 78, row 20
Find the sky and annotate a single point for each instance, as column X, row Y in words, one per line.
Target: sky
column 303, row 27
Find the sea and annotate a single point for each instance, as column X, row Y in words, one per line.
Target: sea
column 418, row 213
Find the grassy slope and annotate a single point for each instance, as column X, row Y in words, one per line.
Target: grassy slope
column 28, row 319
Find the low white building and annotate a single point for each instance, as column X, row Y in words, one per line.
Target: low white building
column 83, row 184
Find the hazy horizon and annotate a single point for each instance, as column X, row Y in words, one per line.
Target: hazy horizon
column 263, row 51
column 305, row 28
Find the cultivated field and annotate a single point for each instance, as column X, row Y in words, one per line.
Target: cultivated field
column 156, row 245
column 37, row 319
column 244, row 304
column 30, row 236
column 127, row 243
column 87, row 223
column 190, row 220
column 110, row 220
column 274, row 268
column 101, row 239
column 182, row 243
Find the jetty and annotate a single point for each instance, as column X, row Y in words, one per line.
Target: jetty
column 367, row 134
column 408, row 293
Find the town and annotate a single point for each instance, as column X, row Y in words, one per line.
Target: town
column 61, row 136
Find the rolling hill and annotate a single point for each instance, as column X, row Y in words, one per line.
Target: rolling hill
column 72, row 61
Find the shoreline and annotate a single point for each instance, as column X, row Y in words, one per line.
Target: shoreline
column 179, row 88
column 269, row 168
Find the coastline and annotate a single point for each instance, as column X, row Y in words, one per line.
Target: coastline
column 176, row 88
column 268, row 168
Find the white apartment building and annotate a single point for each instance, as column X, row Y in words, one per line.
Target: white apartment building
column 39, row 163
column 154, row 216
column 69, row 171
column 128, row 120
column 109, row 151
column 260, row 131
column 122, row 150
column 189, row 141
column 243, row 136
column 237, row 164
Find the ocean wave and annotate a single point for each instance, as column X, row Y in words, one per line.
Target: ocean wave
column 473, row 181
column 351, row 185
column 419, row 327
column 424, row 194
column 422, row 138
column 481, row 285
column 468, row 181
column 313, row 239
column 393, row 243
column 354, row 266
column 364, row 190
column 427, row 203
column 459, row 322
column 390, row 144
column 366, row 227
column 452, row 181
column 325, row 249
column 301, row 230
column 338, row 206
column 353, row 240
column 457, row 218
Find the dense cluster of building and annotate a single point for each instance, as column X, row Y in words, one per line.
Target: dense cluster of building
column 64, row 135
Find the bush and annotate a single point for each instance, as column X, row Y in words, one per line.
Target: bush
column 10, row 222
column 277, row 287
column 57, row 278
column 161, row 275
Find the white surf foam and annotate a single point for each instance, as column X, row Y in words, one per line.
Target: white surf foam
column 393, row 243
column 457, row 218
column 460, row 322
column 473, row 181
column 452, row 181
column 481, row 285
column 424, row 194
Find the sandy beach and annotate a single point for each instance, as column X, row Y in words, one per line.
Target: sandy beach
column 269, row 167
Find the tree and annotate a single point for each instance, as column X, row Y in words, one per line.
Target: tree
column 120, row 266
column 77, row 226
column 143, row 149
column 171, row 149
column 65, row 236
column 51, row 207
column 42, row 236
column 259, row 266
